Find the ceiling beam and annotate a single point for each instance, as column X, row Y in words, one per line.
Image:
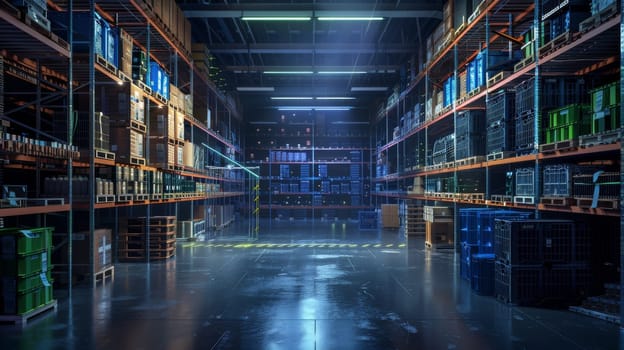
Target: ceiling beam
column 258, row 69
column 290, row 48
column 422, row 9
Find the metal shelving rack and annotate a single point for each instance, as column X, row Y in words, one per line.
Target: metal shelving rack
column 594, row 48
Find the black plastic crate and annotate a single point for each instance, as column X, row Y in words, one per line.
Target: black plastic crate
column 524, row 132
column 607, row 183
column 500, row 137
column 540, row 241
column 500, row 106
column 470, row 145
column 469, row 123
column 525, row 97
column 538, row 285
column 486, row 221
column 482, row 274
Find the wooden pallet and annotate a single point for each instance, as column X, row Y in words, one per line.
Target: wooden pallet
column 610, row 204
column 525, row 62
column 556, row 43
column 104, row 154
column 137, row 161
column 599, row 18
column 498, row 77
column 613, row 318
column 500, row 198
column 124, row 198
column 524, row 200
column 499, row 155
column 141, row 197
column 473, row 92
column 107, row 65
column 123, row 76
column 138, row 126
column 105, row 274
column 143, row 86
column 561, row 146
column 603, row 138
column 469, row 161
column 22, row 320
column 156, row 196
column 556, row 201
column 105, row 198
column 160, row 98
column 471, row 197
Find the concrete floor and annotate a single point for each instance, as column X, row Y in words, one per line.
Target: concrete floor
column 301, row 286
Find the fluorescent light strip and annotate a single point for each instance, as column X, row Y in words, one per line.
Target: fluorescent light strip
column 343, row 72
column 310, row 108
column 247, row 18
column 350, row 18
column 291, row 98
column 256, row 88
column 288, row 72
column 369, row 88
column 335, row 98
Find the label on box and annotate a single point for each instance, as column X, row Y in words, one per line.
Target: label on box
column 44, row 279
column 28, row 234
column 44, row 262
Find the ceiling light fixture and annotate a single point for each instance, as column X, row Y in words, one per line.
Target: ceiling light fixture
column 255, row 88
column 343, row 72
column 368, row 88
column 291, row 98
column 288, row 72
column 317, row 108
column 350, row 18
column 335, row 98
column 275, row 18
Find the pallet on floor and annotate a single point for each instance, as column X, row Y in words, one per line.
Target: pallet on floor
column 22, row 320
column 103, row 275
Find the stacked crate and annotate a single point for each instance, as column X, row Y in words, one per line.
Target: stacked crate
column 524, row 117
column 414, row 220
column 439, row 231
column 25, row 270
column 126, row 107
column 477, row 238
column 97, row 244
column 124, row 53
column 139, row 67
column 567, row 123
column 525, row 186
column 541, row 262
column 605, row 108
column 162, row 238
column 500, row 122
column 444, row 150
column 600, row 189
column 35, row 11
column 163, row 145
column 390, row 216
column 469, row 134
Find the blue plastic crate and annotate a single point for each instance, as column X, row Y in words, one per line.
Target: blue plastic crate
column 111, row 45
column 322, row 169
column 469, row 224
column 482, row 273
column 368, row 220
column 467, row 250
column 304, row 171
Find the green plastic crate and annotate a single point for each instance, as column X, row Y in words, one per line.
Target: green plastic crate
column 16, row 241
column 567, row 115
column 566, row 132
column 27, row 265
column 34, row 281
column 605, row 120
column 21, row 303
column 605, row 97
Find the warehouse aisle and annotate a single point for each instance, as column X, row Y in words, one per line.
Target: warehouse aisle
column 303, row 286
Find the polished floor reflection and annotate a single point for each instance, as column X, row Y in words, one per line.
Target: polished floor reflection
column 301, row 286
